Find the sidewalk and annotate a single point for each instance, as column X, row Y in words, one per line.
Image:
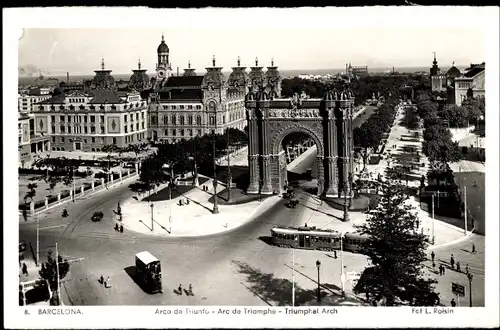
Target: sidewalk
column 195, row 219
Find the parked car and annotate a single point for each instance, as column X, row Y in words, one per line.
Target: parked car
column 97, row 216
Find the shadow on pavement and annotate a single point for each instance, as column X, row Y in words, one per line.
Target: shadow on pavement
column 278, row 291
column 267, row 239
column 131, row 271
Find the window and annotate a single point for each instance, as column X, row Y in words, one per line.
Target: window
column 114, row 140
column 223, row 119
column 52, row 119
column 190, row 132
column 137, row 116
column 92, row 129
column 198, row 107
column 62, row 139
column 53, row 130
column 174, row 120
column 212, row 120
column 62, row 129
column 61, row 118
column 142, row 124
column 53, row 139
column 182, row 132
column 182, row 120
column 137, row 126
column 165, row 120
column 85, row 130
column 190, row 107
column 85, row 119
column 102, row 129
column 198, row 120
column 69, row 129
column 131, row 117
column 102, row 118
column 190, row 120
column 92, row 139
column 174, row 107
column 131, row 127
column 174, row 132
column 142, row 115
column 165, row 107
column 166, row 132
column 181, row 107
column 125, row 128
column 92, row 119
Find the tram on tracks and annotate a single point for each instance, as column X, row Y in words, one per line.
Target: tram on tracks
column 312, row 238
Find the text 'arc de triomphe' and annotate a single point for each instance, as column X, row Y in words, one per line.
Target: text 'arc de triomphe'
column 327, row 121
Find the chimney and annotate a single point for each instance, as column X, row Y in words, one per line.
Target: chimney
column 177, row 71
column 67, row 77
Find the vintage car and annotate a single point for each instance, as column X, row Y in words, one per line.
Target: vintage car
column 97, row 216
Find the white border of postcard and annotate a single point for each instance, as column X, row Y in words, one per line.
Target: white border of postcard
column 484, row 20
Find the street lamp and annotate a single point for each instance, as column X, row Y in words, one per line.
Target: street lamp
column 470, row 276
column 229, row 176
column 216, row 208
column 346, row 214
column 318, row 265
column 342, row 235
column 152, row 206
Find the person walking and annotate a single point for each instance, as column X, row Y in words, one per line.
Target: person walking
column 433, row 265
column 101, row 280
column 190, row 290
column 108, row 282
column 453, row 303
column 444, row 269
column 452, row 261
column 179, row 289
column 25, row 269
column 473, row 248
column 467, row 270
column 458, row 266
column 433, row 255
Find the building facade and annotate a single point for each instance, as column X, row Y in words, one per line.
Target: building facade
column 26, row 102
column 87, row 121
column 470, row 84
column 182, row 107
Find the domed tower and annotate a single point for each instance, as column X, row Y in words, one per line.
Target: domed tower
column 273, row 79
column 435, row 70
column 189, row 72
column 139, row 80
column 103, row 79
column 256, row 77
column 238, row 79
column 163, row 68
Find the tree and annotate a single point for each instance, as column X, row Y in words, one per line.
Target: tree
column 49, row 270
column 396, row 249
column 31, row 193
column 457, row 116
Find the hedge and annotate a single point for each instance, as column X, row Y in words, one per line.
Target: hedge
column 52, row 199
column 81, row 174
column 39, row 204
column 64, row 193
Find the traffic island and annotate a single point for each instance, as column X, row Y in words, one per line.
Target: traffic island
column 238, row 196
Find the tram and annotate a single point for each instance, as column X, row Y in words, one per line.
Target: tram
column 313, row 238
column 148, row 271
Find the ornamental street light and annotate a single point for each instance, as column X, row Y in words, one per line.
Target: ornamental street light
column 346, row 214
column 152, row 221
column 318, row 265
column 229, row 176
column 469, row 277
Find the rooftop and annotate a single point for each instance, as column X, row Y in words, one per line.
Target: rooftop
column 184, row 81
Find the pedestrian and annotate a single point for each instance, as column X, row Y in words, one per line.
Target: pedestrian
column 467, row 270
column 25, row 269
column 190, row 290
column 452, row 261
column 101, row 280
column 473, row 248
column 335, row 254
column 187, row 201
column 179, row 289
column 458, row 266
column 433, row 265
column 433, row 255
column 121, row 228
column 440, row 270
column 444, row 270
column 108, row 282
column 453, row 303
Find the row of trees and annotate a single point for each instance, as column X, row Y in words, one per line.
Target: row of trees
column 461, row 116
column 182, row 155
column 438, row 145
column 369, row 135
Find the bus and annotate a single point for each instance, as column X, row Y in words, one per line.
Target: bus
column 148, row 271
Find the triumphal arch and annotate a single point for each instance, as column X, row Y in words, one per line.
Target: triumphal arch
column 328, row 121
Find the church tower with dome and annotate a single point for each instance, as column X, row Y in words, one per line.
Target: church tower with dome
column 163, row 67
column 273, row 80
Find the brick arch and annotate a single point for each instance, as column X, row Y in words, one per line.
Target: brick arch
column 316, row 134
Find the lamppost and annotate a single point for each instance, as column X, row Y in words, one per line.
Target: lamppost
column 433, row 235
column 195, row 179
column 216, row 208
column 152, row 222
column 346, row 214
column 342, row 280
column 318, row 265
column 229, row 176
column 470, row 276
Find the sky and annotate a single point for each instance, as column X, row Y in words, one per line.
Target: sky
column 79, row 51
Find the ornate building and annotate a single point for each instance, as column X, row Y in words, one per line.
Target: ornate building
column 103, row 79
column 181, row 107
column 471, row 83
column 139, row 81
column 89, row 120
column 163, row 67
